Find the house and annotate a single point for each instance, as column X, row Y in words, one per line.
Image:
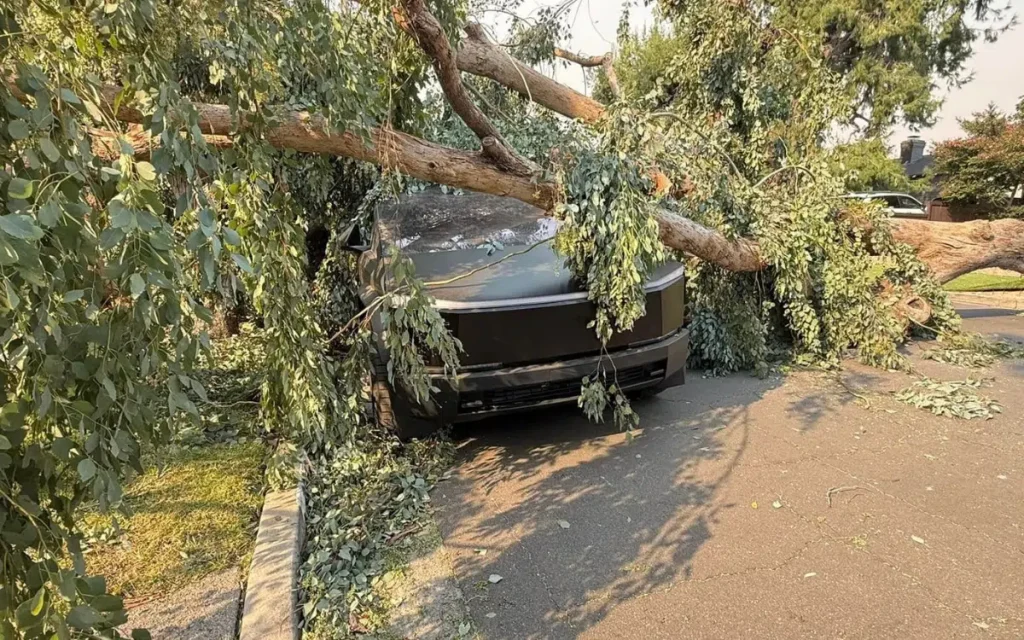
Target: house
column 912, row 157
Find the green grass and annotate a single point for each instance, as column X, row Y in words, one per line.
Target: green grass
column 986, row 282
column 195, row 517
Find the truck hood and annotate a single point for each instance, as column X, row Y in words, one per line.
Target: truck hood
column 510, row 277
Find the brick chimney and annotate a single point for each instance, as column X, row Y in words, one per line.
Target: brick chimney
column 911, row 150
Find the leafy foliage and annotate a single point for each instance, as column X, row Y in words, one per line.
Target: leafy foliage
column 987, row 167
column 365, row 496
column 955, row 399
column 738, row 123
column 885, row 55
column 107, row 250
column 972, row 350
column 609, row 237
column 868, row 167
column 890, row 53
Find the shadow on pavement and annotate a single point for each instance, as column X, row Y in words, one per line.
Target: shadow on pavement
column 576, row 518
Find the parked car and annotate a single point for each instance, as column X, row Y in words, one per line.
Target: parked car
column 522, row 320
column 899, row 205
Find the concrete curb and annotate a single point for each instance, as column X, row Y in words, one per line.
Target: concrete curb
column 997, row 299
column 271, row 610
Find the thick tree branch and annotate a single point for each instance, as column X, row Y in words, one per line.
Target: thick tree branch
column 949, row 249
column 481, row 57
column 580, row 59
column 309, row 133
column 107, row 145
column 429, row 35
column 606, row 61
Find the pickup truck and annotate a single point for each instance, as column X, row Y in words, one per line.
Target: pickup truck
column 521, row 318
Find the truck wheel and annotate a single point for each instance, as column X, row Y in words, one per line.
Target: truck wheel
column 380, row 394
column 387, row 412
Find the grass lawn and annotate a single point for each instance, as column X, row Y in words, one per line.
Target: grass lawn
column 196, row 516
column 986, row 282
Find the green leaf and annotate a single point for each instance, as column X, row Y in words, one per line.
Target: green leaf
column 20, row 189
column 18, row 129
column 137, row 284
column 108, row 386
column 110, row 238
column 242, row 262
column 39, row 601
column 69, row 96
column 84, row 617
column 49, row 150
column 141, row 634
column 86, row 470
column 5, row 444
column 20, row 226
column 49, row 213
column 120, row 215
column 146, row 171
column 8, row 255
column 94, row 111
column 26, row 614
column 74, row 295
column 231, row 236
column 12, row 296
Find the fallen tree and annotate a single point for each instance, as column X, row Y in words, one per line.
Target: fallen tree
column 143, row 172
column 949, row 249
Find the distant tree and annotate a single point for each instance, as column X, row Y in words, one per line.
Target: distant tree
column 892, row 52
column 867, row 166
column 887, row 53
column 987, row 166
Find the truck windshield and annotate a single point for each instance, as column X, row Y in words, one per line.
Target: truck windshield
column 432, row 221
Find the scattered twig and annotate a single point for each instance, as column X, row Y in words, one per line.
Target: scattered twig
column 853, row 392
column 408, row 531
column 834, row 490
column 438, row 283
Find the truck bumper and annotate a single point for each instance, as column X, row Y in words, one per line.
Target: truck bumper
column 473, row 395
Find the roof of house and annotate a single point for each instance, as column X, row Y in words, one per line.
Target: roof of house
column 918, row 167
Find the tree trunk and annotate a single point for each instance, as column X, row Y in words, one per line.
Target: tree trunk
column 951, row 249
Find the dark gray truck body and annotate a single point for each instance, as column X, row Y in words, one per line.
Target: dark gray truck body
column 521, row 319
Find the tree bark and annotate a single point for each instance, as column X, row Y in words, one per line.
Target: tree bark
column 951, row 249
column 429, row 35
column 479, row 56
column 607, row 61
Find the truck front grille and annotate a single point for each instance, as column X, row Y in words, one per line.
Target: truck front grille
column 532, row 394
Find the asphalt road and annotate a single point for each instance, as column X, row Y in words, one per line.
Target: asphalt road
column 807, row 506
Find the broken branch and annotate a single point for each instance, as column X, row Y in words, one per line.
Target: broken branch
column 606, row 61
column 429, row 35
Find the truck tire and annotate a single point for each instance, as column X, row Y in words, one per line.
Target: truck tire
column 387, row 407
column 380, row 395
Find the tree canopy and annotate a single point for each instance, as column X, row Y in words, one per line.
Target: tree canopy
column 157, row 157
column 869, row 167
column 986, row 167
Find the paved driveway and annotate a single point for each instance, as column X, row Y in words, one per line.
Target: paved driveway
column 811, row 506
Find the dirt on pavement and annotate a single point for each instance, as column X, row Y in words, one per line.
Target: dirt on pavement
column 811, row 505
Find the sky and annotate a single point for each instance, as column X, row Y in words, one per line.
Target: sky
column 998, row 67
